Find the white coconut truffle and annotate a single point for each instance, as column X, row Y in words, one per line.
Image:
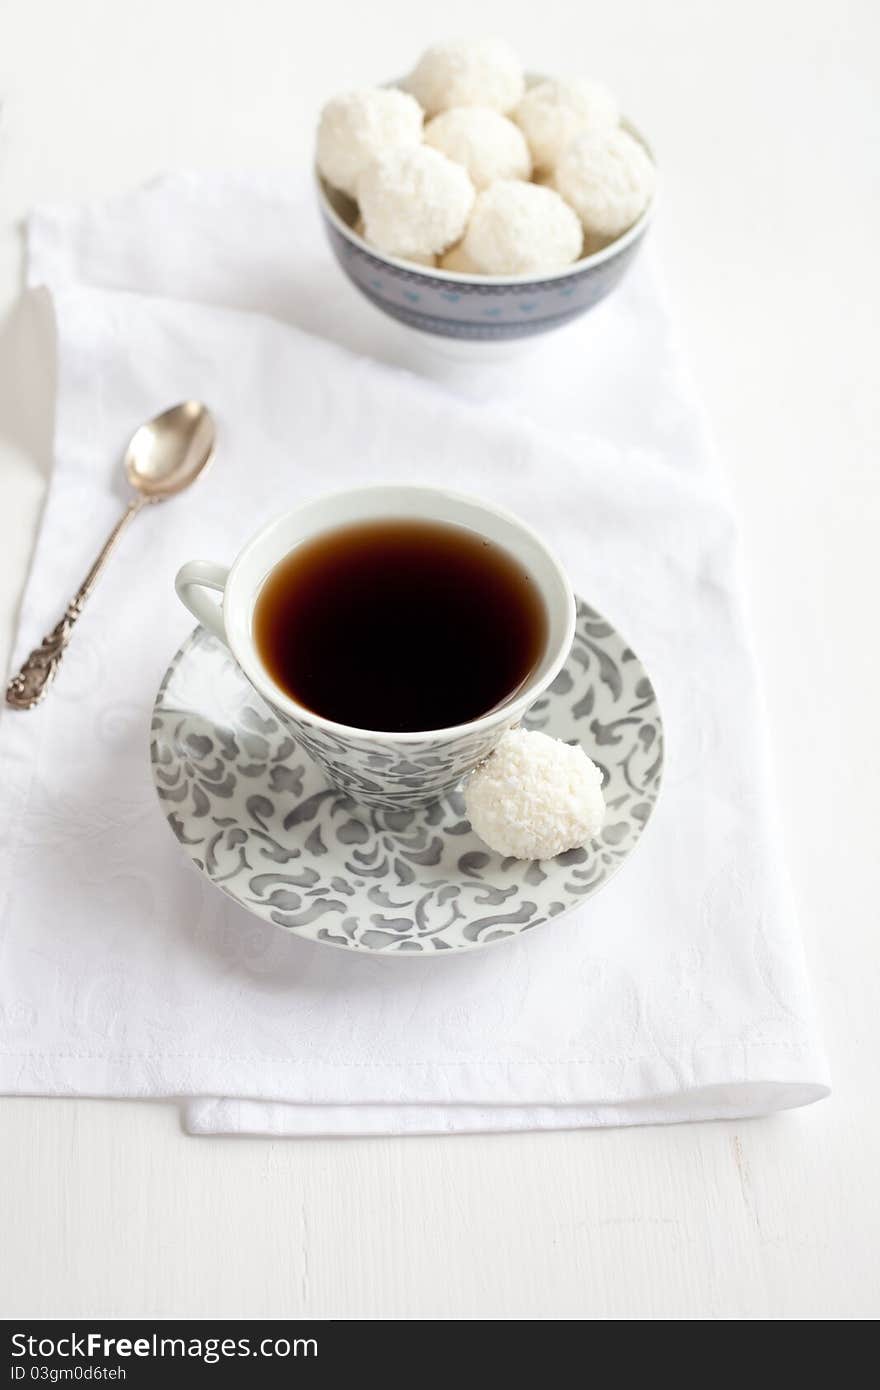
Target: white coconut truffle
column 356, row 126
column 467, row 72
column 552, row 113
column 535, row 797
column 486, row 143
column 414, row 202
column 520, row 228
column 416, row 260
column 608, row 178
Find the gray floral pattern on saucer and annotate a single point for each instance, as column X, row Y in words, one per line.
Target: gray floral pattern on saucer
column 253, row 813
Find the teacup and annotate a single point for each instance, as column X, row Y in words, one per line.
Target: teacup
column 393, row 771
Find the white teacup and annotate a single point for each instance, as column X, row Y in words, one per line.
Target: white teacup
column 389, row 770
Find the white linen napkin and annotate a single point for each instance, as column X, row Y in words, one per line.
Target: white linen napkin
column 678, row 993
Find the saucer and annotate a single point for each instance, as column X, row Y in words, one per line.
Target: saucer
column 255, row 815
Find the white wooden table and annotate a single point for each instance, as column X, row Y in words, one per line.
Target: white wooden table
column 767, row 125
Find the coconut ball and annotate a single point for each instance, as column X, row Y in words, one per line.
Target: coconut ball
column 467, row 72
column 416, row 260
column 414, row 202
column 517, row 228
column 486, row 143
column 552, row 113
column 609, row 180
column 535, row 797
column 356, row 126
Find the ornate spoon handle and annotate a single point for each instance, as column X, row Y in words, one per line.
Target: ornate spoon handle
column 39, row 670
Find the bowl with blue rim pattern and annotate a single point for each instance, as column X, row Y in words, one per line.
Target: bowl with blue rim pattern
column 451, row 306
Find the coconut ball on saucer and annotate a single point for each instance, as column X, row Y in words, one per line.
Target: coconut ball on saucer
column 553, row 112
column 535, row 797
column 356, row 126
column 608, row 178
column 467, row 72
column 521, row 228
column 483, row 141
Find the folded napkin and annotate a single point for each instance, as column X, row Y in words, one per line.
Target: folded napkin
column 678, row 993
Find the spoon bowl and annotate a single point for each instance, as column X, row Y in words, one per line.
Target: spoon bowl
column 169, row 452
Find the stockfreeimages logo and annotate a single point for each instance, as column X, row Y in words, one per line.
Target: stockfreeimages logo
column 95, row 1346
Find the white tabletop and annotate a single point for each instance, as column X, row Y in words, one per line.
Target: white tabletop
column 766, row 124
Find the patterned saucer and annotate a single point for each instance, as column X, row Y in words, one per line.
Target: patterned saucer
column 255, row 816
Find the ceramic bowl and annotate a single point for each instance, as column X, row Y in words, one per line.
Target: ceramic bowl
column 448, row 305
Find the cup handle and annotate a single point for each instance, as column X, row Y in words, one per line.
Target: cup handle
column 195, row 576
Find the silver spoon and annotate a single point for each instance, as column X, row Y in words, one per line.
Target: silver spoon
column 163, row 457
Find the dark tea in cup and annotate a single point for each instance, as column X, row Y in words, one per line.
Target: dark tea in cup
column 400, row 625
